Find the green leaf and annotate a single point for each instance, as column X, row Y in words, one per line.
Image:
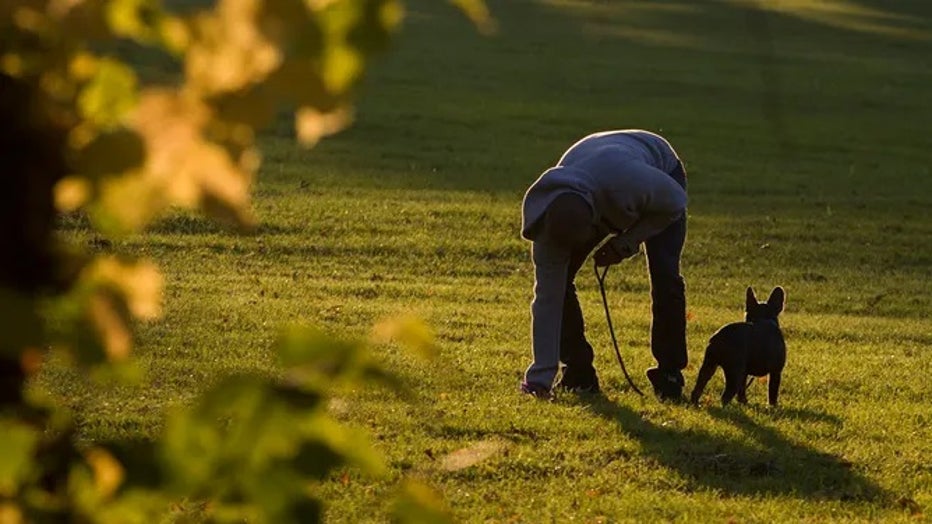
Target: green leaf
column 110, row 153
column 18, row 442
column 352, row 31
column 109, row 95
column 254, row 107
column 20, row 323
column 316, row 460
column 418, row 504
column 139, row 460
column 313, row 350
column 136, row 19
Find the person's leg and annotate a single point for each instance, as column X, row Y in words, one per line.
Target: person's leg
column 575, row 351
column 668, row 298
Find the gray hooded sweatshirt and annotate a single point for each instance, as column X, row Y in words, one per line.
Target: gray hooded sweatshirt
column 623, row 176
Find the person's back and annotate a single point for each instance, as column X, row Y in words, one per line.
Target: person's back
column 629, row 185
column 635, row 144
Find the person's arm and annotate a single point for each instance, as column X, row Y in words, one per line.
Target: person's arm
column 661, row 202
column 664, row 202
column 551, row 264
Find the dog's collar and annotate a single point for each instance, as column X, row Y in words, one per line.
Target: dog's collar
column 767, row 321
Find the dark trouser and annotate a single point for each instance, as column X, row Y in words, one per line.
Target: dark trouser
column 668, row 291
column 668, row 304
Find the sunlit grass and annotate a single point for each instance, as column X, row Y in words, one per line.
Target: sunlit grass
column 850, row 15
column 818, row 181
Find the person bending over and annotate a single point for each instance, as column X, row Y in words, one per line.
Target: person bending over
column 630, row 186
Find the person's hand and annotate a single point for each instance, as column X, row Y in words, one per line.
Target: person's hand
column 614, row 251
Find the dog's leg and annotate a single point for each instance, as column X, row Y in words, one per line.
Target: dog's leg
column 705, row 373
column 743, row 388
column 733, row 376
column 774, row 387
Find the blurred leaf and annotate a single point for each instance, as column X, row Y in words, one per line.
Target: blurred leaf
column 139, row 460
column 297, row 397
column 299, row 80
column 228, row 52
column 110, row 153
column 10, row 513
column 110, row 324
column 83, row 66
column 312, row 350
column 252, row 108
column 237, row 428
column 182, row 167
column 18, row 442
column 378, row 21
column 139, row 284
column 308, row 510
column 351, row 31
column 20, row 322
column 108, row 472
column 353, row 446
column 95, row 315
column 316, row 460
column 109, row 95
column 418, row 504
column 136, row 19
column 409, row 331
column 174, row 34
column 71, row 193
column 478, row 12
column 312, row 125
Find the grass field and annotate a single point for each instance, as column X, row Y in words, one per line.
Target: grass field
column 805, row 132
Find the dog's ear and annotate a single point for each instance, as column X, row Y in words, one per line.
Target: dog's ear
column 750, row 301
column 776, row 300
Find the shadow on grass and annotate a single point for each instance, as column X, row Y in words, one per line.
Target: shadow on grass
column 762, row 462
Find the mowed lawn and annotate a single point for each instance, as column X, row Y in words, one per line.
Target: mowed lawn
column 805, row 130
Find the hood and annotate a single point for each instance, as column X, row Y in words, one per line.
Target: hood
column 553, row 183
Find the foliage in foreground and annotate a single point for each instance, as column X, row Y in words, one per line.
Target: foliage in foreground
column 85, row 132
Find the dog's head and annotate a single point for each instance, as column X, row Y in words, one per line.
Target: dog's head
column 754, row 310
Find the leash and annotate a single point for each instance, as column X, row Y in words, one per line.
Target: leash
column 600, row 276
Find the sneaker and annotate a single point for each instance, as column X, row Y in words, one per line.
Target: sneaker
column 668, row 385
column 536, row 391
column 591, row 388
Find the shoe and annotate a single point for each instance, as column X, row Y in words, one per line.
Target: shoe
column 536, row 391
column 668, row 385
column 579, row 382
column 591, row 388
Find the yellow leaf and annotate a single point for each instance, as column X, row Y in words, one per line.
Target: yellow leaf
column 140, row 284
column 407, row 330
column 174, row 34
column 108, row 472
column 342, row 67
column 312, row 125
column 110, row 325
column 227, row 50
column 71, row 193
column 478, row 12
column 182, row 167
column 83, row 66
column 10, row 513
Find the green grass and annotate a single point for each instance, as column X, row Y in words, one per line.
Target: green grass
column 806, row 140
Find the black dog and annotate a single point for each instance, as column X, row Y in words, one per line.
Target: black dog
column 753, row 347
